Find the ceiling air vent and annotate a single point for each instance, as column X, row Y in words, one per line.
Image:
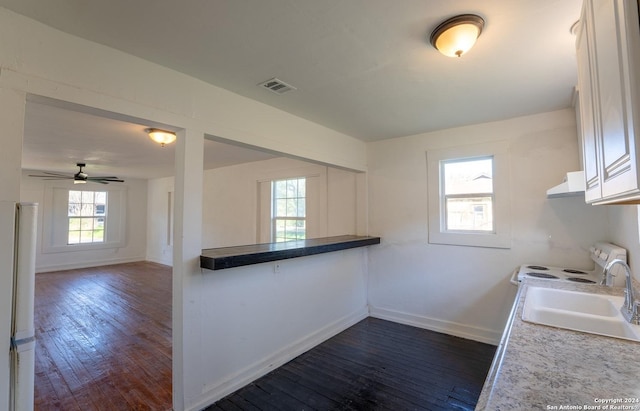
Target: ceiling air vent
column 277, row 86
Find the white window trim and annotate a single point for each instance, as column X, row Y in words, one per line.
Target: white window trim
column 275, row 218
column 315, row 209
column 55, row 223
column 104, row 216
column 501, row 237
column 443, row 200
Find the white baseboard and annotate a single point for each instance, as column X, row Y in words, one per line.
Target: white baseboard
column 484, row 335
column 86, row 264
column 163, row 261
column 213, row 392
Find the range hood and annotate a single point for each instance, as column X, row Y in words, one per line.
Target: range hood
column 572, row 185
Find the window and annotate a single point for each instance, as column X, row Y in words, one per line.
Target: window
column 288, row 210
column 87, row 215
column 306, row 211
column 80, row 220
column 468, row 194
column 468, row 190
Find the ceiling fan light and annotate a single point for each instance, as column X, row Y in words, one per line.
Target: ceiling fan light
column 455, row 36
column 161, row 137
column 79, row 181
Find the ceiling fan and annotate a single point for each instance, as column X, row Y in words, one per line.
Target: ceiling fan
column 79, row 178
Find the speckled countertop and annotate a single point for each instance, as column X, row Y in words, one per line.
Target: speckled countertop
column 546, row 368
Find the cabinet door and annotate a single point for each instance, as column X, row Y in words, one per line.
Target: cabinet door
column 618, row 168
column 588, row 111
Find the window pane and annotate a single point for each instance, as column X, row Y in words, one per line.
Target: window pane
column 87, row 211
column 87, row 196
column 74, row 209
column 75, row 196
column 101, row 197
column 281, row 189
column 281, row 208
column 292, row 207
column 279, row 230
column 291, row 225
column 468, row 176
column 292, row 188
column 301, row 229
column 86, row 224
column 98, row 230
column 86, row 236
column 288, row 207
column 74, row 224
column 470, row 214
column 74, row 237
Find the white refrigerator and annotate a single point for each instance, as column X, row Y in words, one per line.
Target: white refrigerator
column 22, row 345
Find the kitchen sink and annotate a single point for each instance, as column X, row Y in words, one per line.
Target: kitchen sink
column 572, row 310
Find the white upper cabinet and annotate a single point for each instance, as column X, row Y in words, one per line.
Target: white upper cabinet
column 608, row 52
column 586, row 100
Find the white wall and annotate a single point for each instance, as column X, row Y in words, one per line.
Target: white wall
column 160, row 207
column 33, row 190
column 255, row 319
column 625, row 232
column 230, row 216
column 465, row 290
column 230, row 201
column 36, row 59
column 344, row 201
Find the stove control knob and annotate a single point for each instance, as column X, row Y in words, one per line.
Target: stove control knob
column 604, row 256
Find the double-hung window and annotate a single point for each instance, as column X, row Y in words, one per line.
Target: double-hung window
column 87, row 213
column 468, row 198
column 468, row 190
column 80, row 219
column 288, row 209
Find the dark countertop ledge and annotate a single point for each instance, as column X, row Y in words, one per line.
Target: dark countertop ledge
column 229, row 257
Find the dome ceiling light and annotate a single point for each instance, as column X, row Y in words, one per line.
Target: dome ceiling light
column 161, row 137
column 455, row 36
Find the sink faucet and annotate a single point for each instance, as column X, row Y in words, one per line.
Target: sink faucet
column 629, row 309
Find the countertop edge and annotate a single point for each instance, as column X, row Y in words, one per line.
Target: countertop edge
column 230, row 257
column 492, row 375
column 529, row 352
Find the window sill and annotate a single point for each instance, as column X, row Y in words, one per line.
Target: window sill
column 229, row 257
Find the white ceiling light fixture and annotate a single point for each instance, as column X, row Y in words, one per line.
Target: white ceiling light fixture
column 455, row 36
column 161, row 137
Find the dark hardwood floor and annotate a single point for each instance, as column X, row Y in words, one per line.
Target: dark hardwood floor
column 374, row 365
column 104, row 343
column 104, row 338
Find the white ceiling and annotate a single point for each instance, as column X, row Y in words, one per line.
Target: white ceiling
column 56, row 137
column 362, row 67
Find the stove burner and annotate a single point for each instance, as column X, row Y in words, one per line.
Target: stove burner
column 570, row 271
column 542, row 275
column 580, row 280
column 537, row 267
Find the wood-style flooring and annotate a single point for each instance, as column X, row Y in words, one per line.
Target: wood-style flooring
column 374, row 365
column 104, row 343
column 104, row 338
